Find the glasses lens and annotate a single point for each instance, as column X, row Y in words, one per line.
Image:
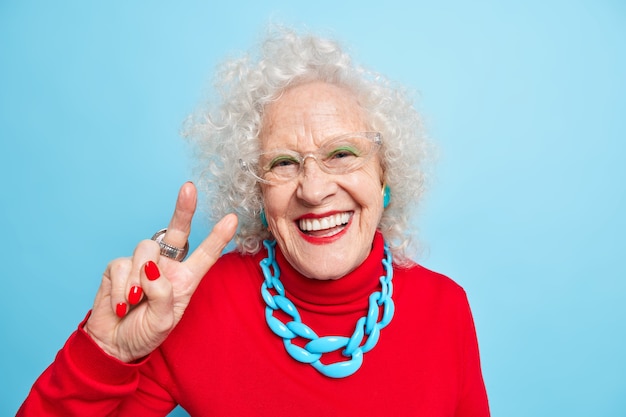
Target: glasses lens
column 280, row 165
column 347, row 153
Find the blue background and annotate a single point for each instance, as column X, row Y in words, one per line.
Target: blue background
column 526, row 101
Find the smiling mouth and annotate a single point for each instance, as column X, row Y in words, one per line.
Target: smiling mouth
column 325, row 226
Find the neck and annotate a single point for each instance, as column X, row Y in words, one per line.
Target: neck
column 355, row 286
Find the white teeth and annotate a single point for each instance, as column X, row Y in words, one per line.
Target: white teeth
column 311, row 225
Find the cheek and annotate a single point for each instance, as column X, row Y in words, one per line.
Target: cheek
column 366, row 189
column 276, row 201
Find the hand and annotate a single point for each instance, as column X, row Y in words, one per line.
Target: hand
column 142, row 298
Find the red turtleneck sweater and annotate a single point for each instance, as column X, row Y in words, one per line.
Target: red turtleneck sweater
column 223, row 360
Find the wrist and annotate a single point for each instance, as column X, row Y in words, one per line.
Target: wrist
column 103, row 346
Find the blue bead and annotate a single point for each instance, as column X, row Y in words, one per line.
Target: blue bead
column 341, row 369
column 300, row 354
column 277, row 326
column 278, row 286
column 287, row 306
column 372, row 312
column 356, row 338
column 302, row 330
column 372, row 339
column 267, row 297
column 326, row 344
column 388, row 310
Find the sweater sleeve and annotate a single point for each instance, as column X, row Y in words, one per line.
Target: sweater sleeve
column 83, row 380
column 473, row 400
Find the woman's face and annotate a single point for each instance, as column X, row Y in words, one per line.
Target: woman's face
column 300, row 120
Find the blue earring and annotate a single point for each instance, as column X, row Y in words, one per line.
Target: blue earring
column 263, row 219
column 386, row 196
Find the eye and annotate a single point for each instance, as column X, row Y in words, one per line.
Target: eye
column 283, row 162
column 343, row 152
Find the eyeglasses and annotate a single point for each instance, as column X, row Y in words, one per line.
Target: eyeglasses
column 339, row 155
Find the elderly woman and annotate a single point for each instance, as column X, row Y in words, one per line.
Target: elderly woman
column 314, row 166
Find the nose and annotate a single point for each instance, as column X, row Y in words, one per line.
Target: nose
column 314, row 185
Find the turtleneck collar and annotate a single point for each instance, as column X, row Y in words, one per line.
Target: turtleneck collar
column 353, row 287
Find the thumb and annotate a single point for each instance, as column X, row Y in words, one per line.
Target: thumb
column 203, row 258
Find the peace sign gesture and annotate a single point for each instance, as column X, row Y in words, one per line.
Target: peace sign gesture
column 142, row 298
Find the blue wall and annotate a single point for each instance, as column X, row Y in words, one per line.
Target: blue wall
column 526, row 102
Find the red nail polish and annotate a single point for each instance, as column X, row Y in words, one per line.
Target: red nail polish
column 152, row 271
column 120, row 309
column 134, row 295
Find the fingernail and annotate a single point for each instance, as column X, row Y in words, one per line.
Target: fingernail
column 135, row 294
column 152, row 271
column 120, row 309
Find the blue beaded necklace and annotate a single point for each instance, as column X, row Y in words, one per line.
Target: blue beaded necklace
column 312, row 352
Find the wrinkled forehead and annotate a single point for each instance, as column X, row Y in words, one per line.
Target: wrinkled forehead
column 308, row 115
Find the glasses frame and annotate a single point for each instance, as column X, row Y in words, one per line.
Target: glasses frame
column 374, row 137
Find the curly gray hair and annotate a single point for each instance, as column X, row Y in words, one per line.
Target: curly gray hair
column 224, row 131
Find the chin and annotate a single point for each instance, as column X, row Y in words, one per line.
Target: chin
column 325, row 266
